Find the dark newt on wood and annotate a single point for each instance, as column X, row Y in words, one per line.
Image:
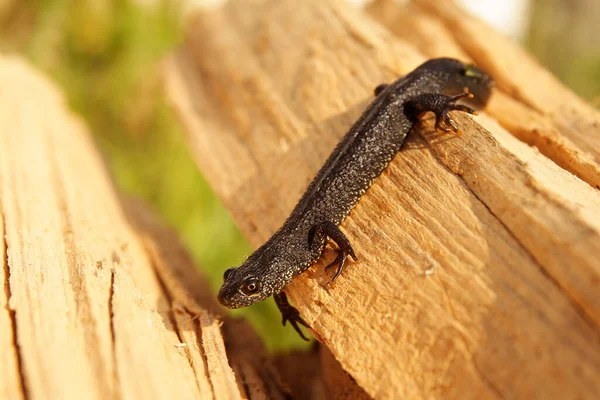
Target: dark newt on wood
column 360, row 157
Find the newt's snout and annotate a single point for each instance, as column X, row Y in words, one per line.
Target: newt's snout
column 224, row 297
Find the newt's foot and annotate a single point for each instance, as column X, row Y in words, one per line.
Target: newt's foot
column 441, row 105
column 380, row 89
column 340, row 260
column 333, row 232
column 290, row 313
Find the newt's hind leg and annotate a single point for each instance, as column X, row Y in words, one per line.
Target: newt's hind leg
column 380, row 88
column 333, row 232
column 440, row 105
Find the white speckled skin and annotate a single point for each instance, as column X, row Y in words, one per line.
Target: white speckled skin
column 361, row 156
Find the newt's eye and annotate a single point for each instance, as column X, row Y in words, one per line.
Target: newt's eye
column 227, row 272
column 251, row 286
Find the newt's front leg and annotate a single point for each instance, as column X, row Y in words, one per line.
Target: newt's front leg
column 289, row 313
column 440, row 105
column 333, row 232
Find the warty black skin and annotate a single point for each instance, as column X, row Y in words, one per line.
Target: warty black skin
column 360, row 157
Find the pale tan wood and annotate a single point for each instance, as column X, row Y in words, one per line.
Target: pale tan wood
column 520, row 120
column 10, row 380
column 431, row 35
column 526, row 124
column 99, row 300
column 518, row 74
column 477, row 273
column 256, row 376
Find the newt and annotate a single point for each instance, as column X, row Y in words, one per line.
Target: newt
column 355, row 163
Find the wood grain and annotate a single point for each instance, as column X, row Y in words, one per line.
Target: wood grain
column 573, row 145
column 521, row 76
column 477, row 273
column 99, row 300
column 10, row 379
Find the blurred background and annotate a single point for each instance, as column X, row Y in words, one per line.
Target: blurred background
column 106, row 56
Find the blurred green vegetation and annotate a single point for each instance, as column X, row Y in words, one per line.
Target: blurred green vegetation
column 563, row 35
column 106, row 55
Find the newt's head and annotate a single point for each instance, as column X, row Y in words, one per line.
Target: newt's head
column 260, row 276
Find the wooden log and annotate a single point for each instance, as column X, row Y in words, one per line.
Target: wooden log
column 478, row 274
column 99, row 300
column 503, row 108
column 531, row 103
